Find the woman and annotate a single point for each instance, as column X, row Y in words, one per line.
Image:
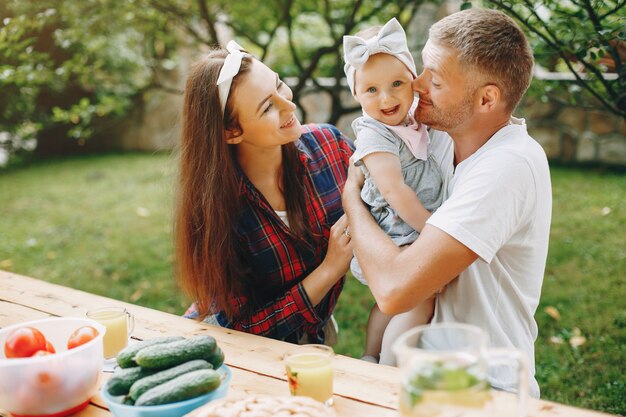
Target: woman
column 261, row 239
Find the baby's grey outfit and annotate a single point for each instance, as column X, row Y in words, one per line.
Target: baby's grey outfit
column 423, row 176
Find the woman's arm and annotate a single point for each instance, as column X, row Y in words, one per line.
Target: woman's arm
column 385, row 170
column 334, row 266
column 277, row 318
column 282, row 315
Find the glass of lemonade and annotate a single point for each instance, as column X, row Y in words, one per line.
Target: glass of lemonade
column 444, row 373
column 119, row 324
column 310, row 372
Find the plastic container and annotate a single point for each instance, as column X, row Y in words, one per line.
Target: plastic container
column 53, row 385
column 177, row 409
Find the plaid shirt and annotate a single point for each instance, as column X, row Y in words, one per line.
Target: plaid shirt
column 278, row 261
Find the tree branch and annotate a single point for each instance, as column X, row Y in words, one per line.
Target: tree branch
column 613, row 10
column 182, row 18
column 208, row 20
column 564, row 53
column 239, row 31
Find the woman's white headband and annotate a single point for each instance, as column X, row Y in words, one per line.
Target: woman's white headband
column 391, row 40
column 232, row 64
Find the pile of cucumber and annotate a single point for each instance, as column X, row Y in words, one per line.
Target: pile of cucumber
column 166, row 370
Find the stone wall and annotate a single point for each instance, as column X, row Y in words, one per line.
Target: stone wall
column 568, row 134
column 573, row 134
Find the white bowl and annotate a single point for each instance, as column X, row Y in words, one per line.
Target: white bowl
column 59, row 383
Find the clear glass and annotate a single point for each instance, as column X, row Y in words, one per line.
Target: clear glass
column 119, row 324
column 444, row 373
column 310, row 372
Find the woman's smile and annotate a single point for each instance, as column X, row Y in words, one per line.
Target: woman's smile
column 289, row 123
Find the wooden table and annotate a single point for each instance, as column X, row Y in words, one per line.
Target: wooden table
column 361, row 388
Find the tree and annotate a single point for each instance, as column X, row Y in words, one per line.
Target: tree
column 300, row 39
column 68, row 66
column 586, row 38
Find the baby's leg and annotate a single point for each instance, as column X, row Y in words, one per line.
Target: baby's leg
column 400, row 323
column 376, row 325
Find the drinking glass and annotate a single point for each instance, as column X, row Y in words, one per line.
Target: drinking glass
column 310, row 372
column 444, row 371
column 119, row 323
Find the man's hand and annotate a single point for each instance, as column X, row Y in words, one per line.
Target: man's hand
column 355, row 175
column 351, row 196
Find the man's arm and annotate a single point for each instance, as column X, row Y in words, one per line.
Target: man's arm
column 386, row 171
column 400, row 279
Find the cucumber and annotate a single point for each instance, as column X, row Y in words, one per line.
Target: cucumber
column 144, row 384
column 217, row 358
column 189, row 385
column 126, row 358
column 123, row 379
column 175, row 353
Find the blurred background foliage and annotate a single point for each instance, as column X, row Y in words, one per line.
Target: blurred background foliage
column 68, row 66
column 585, row 39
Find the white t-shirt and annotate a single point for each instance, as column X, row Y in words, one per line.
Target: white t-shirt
column 499, row 205
column 283, row 216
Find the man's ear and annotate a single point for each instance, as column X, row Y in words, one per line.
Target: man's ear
column 234, row 136
column 490, row 97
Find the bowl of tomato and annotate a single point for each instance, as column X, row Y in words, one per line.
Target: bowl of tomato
column 50, row 367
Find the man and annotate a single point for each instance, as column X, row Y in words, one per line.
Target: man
column 492, row 231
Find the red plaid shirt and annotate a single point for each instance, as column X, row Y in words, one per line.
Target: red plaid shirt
column 279, row 263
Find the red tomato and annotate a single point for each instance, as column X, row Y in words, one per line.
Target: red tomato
column 24, row 342
column 81, row 336
column 50, row 348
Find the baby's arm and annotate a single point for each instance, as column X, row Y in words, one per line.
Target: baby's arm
column 385, row 170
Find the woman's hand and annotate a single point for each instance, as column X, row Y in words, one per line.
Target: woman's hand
column 335, row 264
column 339, row 252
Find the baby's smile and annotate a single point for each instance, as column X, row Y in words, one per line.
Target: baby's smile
column 390, row 111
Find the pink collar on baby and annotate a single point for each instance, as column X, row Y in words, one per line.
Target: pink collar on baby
column 413, row 134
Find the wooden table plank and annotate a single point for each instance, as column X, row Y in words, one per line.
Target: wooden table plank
column 11, row 313
column 361, row 388
column 353, row 378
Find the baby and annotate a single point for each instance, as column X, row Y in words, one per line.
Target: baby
column 403, row 183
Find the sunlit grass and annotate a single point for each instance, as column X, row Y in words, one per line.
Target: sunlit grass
column 103, row 224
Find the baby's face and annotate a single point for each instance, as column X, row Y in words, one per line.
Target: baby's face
column 383, row 88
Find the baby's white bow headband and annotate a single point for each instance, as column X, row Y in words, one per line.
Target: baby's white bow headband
column 391, row 40
column 232, row 64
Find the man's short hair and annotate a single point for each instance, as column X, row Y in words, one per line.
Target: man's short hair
column 492, row 44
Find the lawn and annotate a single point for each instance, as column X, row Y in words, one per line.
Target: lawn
column 102, row 224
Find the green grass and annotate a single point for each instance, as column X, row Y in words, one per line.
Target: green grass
column 102, row 224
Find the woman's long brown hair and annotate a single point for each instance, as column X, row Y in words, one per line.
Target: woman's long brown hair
column 208, row 205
